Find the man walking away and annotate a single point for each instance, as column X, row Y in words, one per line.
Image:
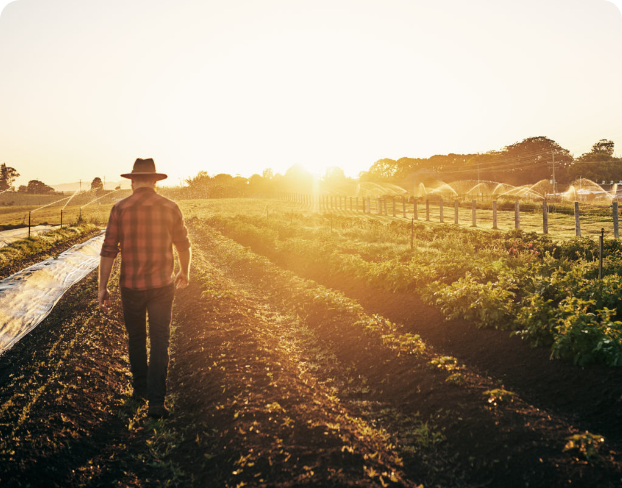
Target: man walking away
column 144, row 227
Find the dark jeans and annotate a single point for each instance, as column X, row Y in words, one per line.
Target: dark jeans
column 157, row 303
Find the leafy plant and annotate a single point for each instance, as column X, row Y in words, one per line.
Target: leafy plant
column 586, row 444
column 499, row 395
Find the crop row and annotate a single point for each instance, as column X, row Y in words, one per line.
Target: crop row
column 544, row 291
column 23, row 249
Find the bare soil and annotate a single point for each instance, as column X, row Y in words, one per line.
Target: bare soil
column 272, row 386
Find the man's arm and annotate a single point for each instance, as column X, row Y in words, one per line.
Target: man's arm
column 182, row 278
column 105, row 268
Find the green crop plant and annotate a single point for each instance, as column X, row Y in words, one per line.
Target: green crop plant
column 586, row 444
column 518, row 281
column 499, row 395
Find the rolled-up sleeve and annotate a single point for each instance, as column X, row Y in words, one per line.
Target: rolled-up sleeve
column 179, row 233
column 110, row 247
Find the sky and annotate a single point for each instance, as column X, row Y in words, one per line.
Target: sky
column 236, row 87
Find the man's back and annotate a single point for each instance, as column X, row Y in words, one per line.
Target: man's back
column 143, row 227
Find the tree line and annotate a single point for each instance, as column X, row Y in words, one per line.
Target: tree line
column 525, row 162
column 522, row 163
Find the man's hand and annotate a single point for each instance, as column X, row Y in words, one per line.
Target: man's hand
column 181, row 280
column 104, row 300
column 105, row 267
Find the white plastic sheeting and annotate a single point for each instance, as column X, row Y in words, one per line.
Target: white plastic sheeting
column 28, row 296
column 8, row 236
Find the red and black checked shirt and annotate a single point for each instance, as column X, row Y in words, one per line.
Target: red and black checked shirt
column 144, row 227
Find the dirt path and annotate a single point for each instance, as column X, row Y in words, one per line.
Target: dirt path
column 245, row 387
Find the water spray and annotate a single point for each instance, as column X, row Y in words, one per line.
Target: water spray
column 99, row 198
column 43, row 206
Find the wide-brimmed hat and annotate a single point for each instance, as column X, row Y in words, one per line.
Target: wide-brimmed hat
column 145, row 167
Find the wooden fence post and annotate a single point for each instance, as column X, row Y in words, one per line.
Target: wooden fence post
column 600, row 253
column 577, row 221
column 616, row 232
column 415, row 210
column 456, row 206
column 474, row 213
column 427, row 209
column 545, row 217
column 494, row 214
column 517, row 215
column 440, row 209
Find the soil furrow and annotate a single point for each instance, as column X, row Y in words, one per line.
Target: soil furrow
column 268, row 420
column 497, row 445
column 590, row 398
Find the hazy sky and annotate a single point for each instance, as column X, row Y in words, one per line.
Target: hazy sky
column 239, row 86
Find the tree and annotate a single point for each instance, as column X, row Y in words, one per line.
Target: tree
column 97, row 184
column 383, row 169
column 298, row 179
column 38, row 187
column 334, row 175
column 598, row 164
column 7, row 176
column 531, row 160
column 604, row 146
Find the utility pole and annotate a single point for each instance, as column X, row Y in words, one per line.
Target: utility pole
column 80, row 184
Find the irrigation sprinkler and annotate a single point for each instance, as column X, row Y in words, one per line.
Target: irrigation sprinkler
column 28, row 224
column 61, row 218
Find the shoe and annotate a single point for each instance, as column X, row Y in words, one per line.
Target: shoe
column 158, row 412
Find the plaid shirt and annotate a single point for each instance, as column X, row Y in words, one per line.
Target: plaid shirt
column 144, row 226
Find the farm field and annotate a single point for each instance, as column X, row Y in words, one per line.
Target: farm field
column 561, row 222
column 292, row 367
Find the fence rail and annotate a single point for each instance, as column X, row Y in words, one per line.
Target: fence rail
column 389, row 207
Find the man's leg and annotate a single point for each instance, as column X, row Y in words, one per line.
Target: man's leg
column 159, row 309
column 134, row 314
